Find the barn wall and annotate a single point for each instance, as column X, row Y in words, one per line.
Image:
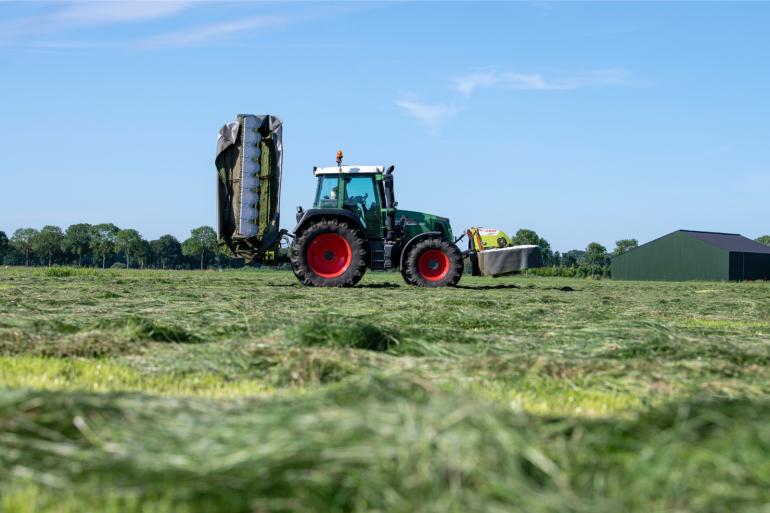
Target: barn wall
column 674, row 257
column 749, row 266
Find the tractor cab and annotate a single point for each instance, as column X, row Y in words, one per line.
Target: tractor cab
column 356, row 189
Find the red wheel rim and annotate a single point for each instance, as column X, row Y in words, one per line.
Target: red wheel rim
column 329, row 255
column 433, row 265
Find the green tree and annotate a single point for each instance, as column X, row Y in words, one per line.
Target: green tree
column 103, row 240
column 143, row 253
column 596, row 254
column 624, row 245
column 128, row 241
column 21, row 241
column 48, row 242
column 526, row 236
column 4, row 246
column 202, row 242
column 77, row 240
column 765, row 239
column 573, row 258
column 166, row 251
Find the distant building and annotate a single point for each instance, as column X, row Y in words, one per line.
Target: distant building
column 692, row 255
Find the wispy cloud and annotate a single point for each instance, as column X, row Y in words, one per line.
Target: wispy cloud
column 69, row 17
column 50, row 30
column 105, row 12
column 205, row 34
column 430, row 115
column 467, row 84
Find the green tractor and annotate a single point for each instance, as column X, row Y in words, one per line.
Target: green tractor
column 354, row 223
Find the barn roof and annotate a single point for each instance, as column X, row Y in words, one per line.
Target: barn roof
column 729, row 241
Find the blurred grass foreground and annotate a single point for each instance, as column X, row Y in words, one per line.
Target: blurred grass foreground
column 241, row 391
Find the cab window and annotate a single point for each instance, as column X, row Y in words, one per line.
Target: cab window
column 361, row 198
column 359, row 190
column 327, row 195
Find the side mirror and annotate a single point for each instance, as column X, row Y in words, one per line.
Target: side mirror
column 390, row 170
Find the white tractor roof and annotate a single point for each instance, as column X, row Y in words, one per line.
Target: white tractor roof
column 333, row 170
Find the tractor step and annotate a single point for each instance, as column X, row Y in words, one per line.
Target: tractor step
column 381, row 254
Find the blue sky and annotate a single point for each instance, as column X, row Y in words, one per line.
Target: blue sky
column 583, row 121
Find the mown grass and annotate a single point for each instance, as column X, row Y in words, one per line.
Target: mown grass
column 392, row 443
column 106, row 376
column 242, row 391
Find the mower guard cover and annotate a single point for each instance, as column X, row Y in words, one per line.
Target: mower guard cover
column 249, row 163
column 502, row 261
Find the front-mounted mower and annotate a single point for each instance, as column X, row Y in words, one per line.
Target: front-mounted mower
column 354, row 223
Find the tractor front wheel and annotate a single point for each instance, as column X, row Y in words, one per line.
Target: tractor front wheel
column 329, row 253
column 434, row 263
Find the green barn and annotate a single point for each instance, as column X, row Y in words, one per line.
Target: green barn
column 693, row 255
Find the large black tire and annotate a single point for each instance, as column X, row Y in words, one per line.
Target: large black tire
column 406, row 277
column 434, row 263
column 327, row 263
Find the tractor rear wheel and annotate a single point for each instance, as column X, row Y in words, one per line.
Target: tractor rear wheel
column 329, row 253
column 434, row 263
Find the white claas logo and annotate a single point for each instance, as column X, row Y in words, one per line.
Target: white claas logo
column 488, row 231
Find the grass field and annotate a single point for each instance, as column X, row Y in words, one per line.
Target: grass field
column 243, row 392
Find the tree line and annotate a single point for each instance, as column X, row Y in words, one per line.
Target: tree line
column 594, row 260
column 593, row 254
column 106, row 245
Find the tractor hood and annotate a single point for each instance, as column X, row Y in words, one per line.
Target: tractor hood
column 421, row 222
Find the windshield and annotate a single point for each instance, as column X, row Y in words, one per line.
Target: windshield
column 327, row 195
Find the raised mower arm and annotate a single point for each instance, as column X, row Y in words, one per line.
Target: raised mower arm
column 249, row 164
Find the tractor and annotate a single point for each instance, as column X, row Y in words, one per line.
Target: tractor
column 353, row 225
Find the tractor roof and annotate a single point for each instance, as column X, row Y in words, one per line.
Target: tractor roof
column 333, row 170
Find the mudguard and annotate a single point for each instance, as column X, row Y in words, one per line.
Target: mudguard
column 317, row 213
